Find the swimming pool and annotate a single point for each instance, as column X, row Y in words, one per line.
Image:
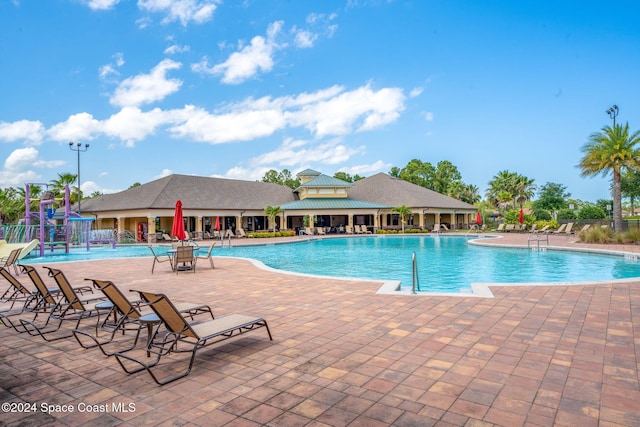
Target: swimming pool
column 445, row 263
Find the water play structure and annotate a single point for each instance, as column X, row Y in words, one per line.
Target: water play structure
column 46, row 228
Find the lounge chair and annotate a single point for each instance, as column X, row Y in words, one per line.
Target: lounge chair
column 183, row 336
column 240, row 233
column 509, row 228
column 444, row 228
column 208, row 255
column 584, row 228
column 560, row 229
column 166, row 237
column 128, row 316
column 348, row 229
column 15, row 301
column 160, row 258
column 501, row 227
column 569, row 229
column 68, row 308
column 364, row 229
column 436, row 228
column 229, row 233
column 320, row 231
column 11, row 260
column 184, row 255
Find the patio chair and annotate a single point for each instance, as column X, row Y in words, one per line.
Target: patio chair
column 11, row 260
column 128, row 316
column 569, row 229
column 241, row 233
column 166, row 237
column 348, row 229
column 185, row 337
column 364, row 229
column 47, row 297
column 16, row 292
column 560, row 229
column 68, row 308
column 501, row 227
column 208, row 255
column 320, row 231
column 184, row 255
column 160, row 259
column 229, row 233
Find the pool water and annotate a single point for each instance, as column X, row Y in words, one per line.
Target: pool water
column 445, row 263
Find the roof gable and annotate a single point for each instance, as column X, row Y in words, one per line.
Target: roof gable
column 385, row 189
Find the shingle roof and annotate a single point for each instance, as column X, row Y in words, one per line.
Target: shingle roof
column 331, row 203
column 382, row 188
column 195, row 192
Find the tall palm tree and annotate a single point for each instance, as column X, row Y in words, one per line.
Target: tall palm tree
column 402, row 211
column 611, row 150
column 525, row 189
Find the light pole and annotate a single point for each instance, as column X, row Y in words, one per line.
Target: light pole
column 613, row 113
column 78, row 147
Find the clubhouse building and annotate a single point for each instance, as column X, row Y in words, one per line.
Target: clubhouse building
column 214, row 205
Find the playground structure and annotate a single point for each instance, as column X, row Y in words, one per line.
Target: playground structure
column 74, row 230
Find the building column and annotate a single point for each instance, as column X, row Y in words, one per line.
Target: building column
column 121, row 226
column 151, row 229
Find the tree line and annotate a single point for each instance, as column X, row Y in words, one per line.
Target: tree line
column 611, row 151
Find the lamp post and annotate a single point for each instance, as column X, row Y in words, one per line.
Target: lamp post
column 613, row 113
column 78, row 147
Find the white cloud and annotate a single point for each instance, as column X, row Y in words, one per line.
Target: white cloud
column 328, row 112
column 200, row 125
column 90, row 187
column 78, row 127
column 18, row 165
column 416, row 91
column 185, row 11
column 363, row 170
column 31, row 132
column 176, row 48
column 147, row 88
column 163, row 173
column 304, row 38
column 131, row 124
column 428, row 116
column 249, row 60
column 362, row 108
column 102, row 4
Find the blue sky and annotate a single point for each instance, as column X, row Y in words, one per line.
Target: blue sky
column 235, row 88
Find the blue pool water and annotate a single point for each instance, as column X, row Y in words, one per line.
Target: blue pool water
column 445, row 263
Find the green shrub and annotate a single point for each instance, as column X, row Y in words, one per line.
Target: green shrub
column 566, row 214
column 591, row 212
column 265, row 234
column 632, row 235
column 553, row 224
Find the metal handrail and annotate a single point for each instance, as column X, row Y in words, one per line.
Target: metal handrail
column 415, row 281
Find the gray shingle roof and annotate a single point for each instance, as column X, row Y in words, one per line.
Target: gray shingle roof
column 332, row 203
column 195, row 192
column 382, row 188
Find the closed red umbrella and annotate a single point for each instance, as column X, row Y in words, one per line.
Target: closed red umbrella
column 178, row 223
column 218, row 223
column 478, row 218
column 521, row 217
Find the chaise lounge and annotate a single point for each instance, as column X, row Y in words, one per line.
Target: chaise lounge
column 185, row 337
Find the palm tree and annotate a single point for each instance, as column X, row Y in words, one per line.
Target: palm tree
column 64, row 179
column 611, row 150
column 402, row 211
column 272, row 212
column 525, row 189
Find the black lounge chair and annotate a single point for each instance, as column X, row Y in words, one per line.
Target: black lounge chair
column 181, row 333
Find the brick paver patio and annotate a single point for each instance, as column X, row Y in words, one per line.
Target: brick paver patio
column 344, row 356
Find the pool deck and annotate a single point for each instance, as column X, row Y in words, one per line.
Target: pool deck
column 342, row 355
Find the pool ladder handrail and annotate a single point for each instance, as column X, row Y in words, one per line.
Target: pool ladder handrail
column 415, row 281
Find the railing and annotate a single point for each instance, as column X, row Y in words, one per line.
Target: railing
column 415, row 281
column 538, row 237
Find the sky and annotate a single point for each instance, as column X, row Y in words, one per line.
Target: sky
column 233, row 89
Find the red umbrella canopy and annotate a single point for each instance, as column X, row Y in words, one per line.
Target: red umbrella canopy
column 218, row 223
column 478, row 218
column 521, row 217
column 178, row 223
